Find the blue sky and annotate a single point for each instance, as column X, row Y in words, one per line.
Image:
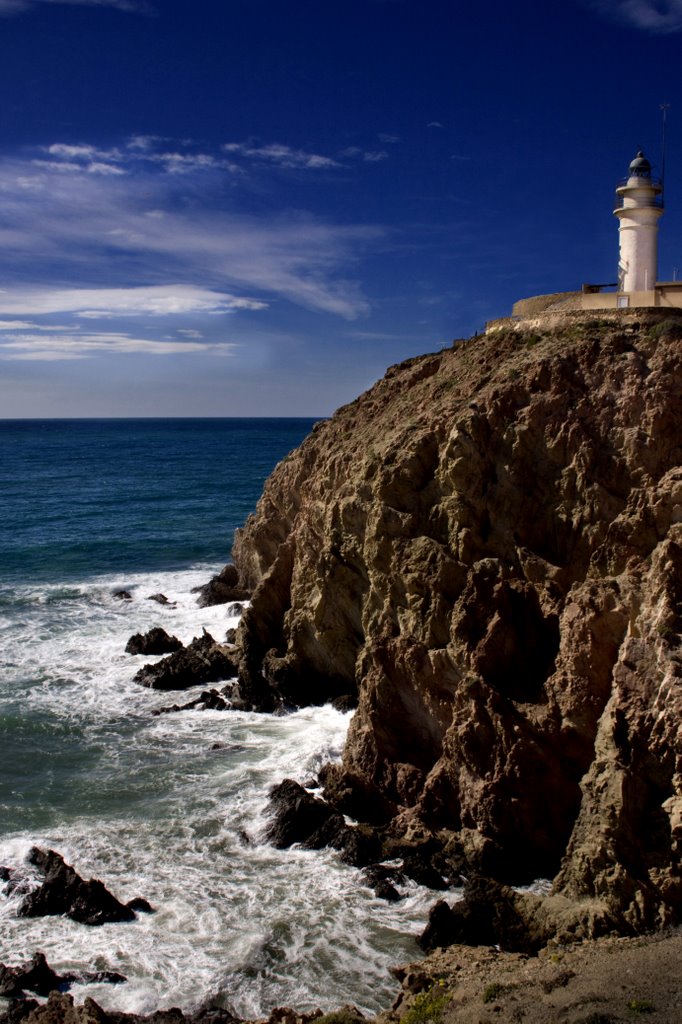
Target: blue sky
column 253, row 207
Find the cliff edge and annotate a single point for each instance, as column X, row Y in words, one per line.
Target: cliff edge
column 486, row 548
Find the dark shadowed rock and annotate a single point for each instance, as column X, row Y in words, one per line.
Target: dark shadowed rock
column 202, row 661
column 221, row 588
column 417, row 865
column 356, row 796
column 383, row 890
column 230, row 635
column 161, row 599
column 358, row 845
column 37, row 976
column 296, row 814
column 380, row 877
column 139, row 905
column 63, row 891
column 209, row 700
column 122, row 595
column 156, row 641
column 490, row 914
column 347, row 702
column 97, row 978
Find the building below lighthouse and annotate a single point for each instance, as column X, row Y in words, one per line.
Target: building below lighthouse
column 639, row 206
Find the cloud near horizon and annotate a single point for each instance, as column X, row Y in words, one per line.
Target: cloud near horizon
column 60, row 347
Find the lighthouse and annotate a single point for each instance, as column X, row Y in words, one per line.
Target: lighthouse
column 639, row 204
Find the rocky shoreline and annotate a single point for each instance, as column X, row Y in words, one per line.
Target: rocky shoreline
column 604, row 981
column 483, row 553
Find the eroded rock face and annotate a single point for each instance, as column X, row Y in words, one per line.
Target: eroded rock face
column 487, row 548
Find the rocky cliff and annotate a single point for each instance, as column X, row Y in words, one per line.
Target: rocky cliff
column 487, row 548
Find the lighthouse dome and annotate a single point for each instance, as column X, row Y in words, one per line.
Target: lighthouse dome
column 640, row 166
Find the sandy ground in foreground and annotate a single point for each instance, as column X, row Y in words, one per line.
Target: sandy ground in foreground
column 610, row 981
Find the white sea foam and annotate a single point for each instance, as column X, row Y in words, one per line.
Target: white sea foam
column 172, row 808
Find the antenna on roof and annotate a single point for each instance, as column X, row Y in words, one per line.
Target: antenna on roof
column 665, row 107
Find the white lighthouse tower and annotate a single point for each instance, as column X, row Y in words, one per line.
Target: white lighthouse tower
column 639, row 204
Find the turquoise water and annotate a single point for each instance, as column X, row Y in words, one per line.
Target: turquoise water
column 155, row 806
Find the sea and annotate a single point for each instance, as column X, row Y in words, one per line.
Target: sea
column 172, row 807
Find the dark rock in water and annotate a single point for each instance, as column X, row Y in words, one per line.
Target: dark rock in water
column 330, row 832
column 65, row 892
column 297, row 814
column 161, row 599
column 213, row 700
column 490, row 914
column 14, row 881
column 98, row 977
column 221, row 588
column 236, row 608
column 122, row 595
column 355, row 795
column 347, row 702
column 202, row 661
column 385, row 891
column 426, row 861
column 139, row 905
column 417, row 866
column 230, row 635
column 36, row 976
column 156, row 641
column 358, row 845
column 209, row 700
column 380, row 877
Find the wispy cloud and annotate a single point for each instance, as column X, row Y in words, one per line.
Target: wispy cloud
column 69, row 158
column 58, row 347
column 658, row 16
column 370, row 156
column 12, row 7
column 99, row 303
column 283, row 156
column 149, row 226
